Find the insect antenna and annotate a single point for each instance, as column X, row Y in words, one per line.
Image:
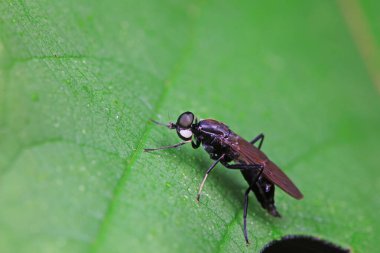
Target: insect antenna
column 170, row 125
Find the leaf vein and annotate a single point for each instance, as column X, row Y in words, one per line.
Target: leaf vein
column 102, row 231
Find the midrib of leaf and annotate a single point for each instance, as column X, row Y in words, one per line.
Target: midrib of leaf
column 129, row 162
column 357, row 25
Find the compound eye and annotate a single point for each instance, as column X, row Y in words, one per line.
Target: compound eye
column 185, row 120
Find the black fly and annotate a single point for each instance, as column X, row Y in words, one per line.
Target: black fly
column 234, row 152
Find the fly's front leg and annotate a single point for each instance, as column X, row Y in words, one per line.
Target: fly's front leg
column 166, row 147
column 260, row 138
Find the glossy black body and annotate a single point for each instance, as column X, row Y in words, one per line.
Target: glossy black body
column 217, row 139
column 234, row 152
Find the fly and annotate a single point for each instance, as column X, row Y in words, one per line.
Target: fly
column 233, row 152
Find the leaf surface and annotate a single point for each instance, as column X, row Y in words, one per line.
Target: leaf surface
column 79, row 81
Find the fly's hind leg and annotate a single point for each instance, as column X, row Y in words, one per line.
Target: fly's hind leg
column 260, row 138
column 245, row 214
column 251, row 173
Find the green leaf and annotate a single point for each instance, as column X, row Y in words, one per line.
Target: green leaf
column 79, row 81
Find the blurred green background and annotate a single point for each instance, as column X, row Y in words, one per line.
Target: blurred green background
column 80, row 79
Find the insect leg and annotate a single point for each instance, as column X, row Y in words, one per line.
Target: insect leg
column 244, row 166
column 245, row 214
column 166, row 147
column 195, row 144
column 170, row 125
column 257, row 138
column 206, row 175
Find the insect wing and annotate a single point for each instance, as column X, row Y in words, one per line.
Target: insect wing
column 279, row 178
column 251, row 154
